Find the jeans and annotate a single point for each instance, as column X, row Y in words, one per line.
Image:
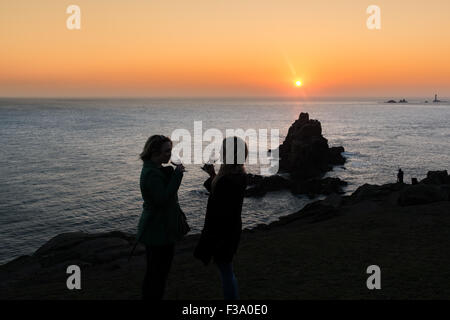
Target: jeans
column 229, row 282
column 159, row 260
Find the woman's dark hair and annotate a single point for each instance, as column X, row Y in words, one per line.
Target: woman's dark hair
column 152, row 146
column 239, row 151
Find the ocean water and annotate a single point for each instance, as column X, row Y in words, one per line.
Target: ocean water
column 72, row 165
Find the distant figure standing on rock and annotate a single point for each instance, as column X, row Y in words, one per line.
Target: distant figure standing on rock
column 158, row 227
column 400, row 176
column 223, row 224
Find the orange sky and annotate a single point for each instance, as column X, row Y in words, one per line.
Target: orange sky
column 225, row 48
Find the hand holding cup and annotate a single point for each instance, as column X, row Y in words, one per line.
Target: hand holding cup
column 209, row 169
column 177, row 163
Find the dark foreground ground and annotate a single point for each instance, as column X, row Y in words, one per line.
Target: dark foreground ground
column 320, row 252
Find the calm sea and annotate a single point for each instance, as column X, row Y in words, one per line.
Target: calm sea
column 72, row 165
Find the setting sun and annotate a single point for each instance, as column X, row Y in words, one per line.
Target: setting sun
column 298, row 83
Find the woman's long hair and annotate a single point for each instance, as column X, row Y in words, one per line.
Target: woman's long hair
column 153, row 146
column 232, row 163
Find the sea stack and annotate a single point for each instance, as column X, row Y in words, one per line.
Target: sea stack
column 305, row 152
column 305, row 156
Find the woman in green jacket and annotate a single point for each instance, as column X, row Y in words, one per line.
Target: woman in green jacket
column 159, row 226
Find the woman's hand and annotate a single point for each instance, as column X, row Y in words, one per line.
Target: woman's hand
column 180, row 168
column 209, row 169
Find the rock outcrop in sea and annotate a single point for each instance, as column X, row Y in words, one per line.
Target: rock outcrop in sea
column 305, row 152
column 305, row 156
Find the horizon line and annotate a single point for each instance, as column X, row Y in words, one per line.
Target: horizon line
column 219, row 97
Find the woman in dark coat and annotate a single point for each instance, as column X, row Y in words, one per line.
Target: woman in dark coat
column 223, row 224
column 158, row 227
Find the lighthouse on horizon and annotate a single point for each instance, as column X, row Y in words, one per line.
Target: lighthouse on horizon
column 436, row 99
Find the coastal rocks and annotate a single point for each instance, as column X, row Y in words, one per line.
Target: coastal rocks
column 85, row 250
column 421, row 194
column 335, row 155
column 312, row 213
column 89, row 248
column 314, row 187
column 260, row 185
column 435, row 187
column 305, row 152
column 375, row 192
column 334, row 200
column 436, row 177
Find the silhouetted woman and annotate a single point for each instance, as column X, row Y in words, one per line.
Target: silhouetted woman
column 158, row 226
column 223, row 224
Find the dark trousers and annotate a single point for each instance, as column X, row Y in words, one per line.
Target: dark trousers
column 229, row 282
column 159, row 260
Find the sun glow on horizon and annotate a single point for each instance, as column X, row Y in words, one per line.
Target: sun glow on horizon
column 300, row 48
